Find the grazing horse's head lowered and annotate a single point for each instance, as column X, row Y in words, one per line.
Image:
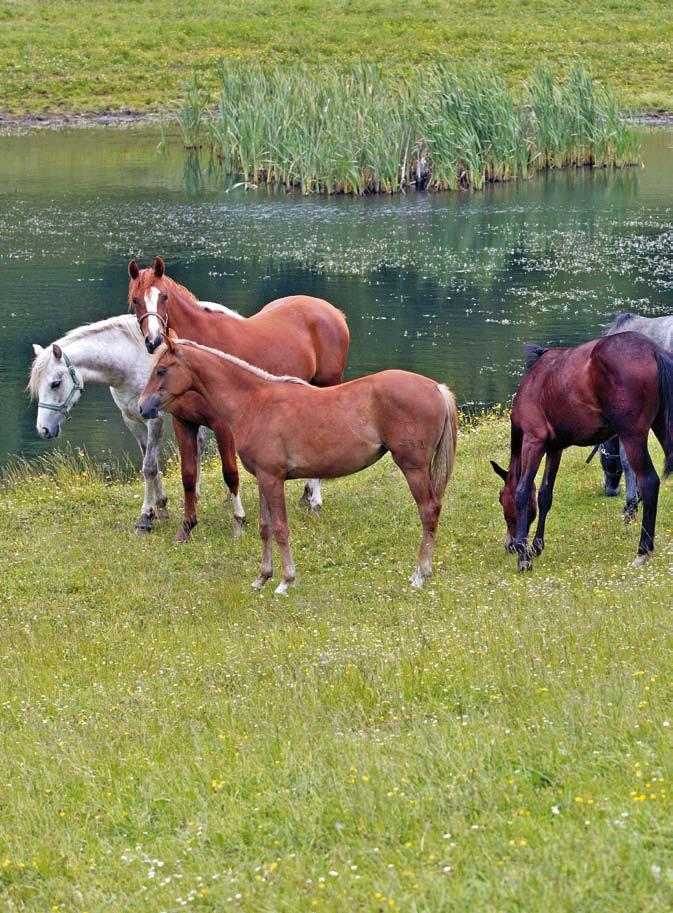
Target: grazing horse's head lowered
column 507, row 498
column 148, row 299
column 57, row 386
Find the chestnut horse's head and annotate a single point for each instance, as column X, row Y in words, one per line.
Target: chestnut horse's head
column 508, row 501
column 168, row 380
column 148, row 299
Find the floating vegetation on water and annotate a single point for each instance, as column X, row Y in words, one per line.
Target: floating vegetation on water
column 359, row 131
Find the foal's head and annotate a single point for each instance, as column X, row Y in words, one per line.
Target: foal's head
column 170, row 378
column 148, row 299
column 507, row 499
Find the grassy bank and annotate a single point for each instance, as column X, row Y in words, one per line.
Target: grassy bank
column 133, row 55
column 171, row 739
column 357, row 130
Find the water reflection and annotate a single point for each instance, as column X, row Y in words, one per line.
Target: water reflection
column 450, row 285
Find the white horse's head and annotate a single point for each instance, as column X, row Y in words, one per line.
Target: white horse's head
column 56, row 385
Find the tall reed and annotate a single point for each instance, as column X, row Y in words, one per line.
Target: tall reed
column 358, row 130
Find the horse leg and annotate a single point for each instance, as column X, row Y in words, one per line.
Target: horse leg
column 186, row 436
column 648, row 485
column 225, row 445
column 531, row 455
column 312, row 497
column 632, row 495
column 155, row 434
column 200, row 450
column 266, row 535
column 429, row 507
column 545, row 497
column 274, row 491
column 139, row 430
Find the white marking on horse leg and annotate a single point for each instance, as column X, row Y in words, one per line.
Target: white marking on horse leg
column 239, row 514
column 417, row 579
column 642, row 559
column 284, row 586
column 315, row 497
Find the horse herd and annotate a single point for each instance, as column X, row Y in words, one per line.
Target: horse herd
column 270, row 388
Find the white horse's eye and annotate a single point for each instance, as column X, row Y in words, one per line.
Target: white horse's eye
column 55, row 384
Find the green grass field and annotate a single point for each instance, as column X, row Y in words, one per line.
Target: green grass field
column 90, row 56
column 172, row 740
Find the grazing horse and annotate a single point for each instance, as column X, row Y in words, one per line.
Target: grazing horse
column 286, row 429
column 613, row 458
column 617, row 385
column 299, row 335
column 110, row 352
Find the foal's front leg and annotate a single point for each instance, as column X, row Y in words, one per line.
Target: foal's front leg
column 187, row 437
column 227, row 449
column 273, row 490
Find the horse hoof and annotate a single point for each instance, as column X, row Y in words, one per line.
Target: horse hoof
column 259, row 582
column 315, row 509
column 525, row 564
column 239, row 526
column 162, row 513
column 537, row 547
column 184, row 532
column 642, row 559
column 630, row 515
column 144, row 524
column 612, row 492
column 416, row 580
column 283, row 587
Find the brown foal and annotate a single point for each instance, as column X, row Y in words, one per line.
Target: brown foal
column 298, row 335
column 286, row 429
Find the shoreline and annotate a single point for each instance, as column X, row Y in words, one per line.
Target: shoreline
column 84, row 119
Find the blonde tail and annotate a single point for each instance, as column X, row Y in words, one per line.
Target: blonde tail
column 441, row 465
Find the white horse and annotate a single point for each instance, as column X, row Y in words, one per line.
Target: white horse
column 108, row 352
column 659, row 330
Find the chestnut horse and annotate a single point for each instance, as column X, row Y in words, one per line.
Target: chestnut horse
column 286, row 429
column 299, row 335
column 617, row 385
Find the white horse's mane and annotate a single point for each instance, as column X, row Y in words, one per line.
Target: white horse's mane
column 253, row 369
column 220, row 308
column 125, row 322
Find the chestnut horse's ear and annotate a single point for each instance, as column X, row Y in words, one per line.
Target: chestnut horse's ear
column 134, row 272
column 58, row 351
column 499, row 471
column 172, row 334
column 168, row 339
column 158, row 267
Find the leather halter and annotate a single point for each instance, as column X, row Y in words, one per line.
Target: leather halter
column 62, row 408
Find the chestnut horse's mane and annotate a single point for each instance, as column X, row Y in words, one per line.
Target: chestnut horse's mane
column 253, row 369
column 147, row 278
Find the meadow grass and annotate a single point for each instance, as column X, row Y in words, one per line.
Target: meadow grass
column 134, row 54
column 172, row 739
column 357, row 130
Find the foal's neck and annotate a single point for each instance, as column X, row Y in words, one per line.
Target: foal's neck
column 226, row 386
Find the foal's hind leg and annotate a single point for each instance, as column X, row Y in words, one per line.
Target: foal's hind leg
column 273, row 490
column 632, row 494
column 266, row 535
column 429, row 507
column 648, row 484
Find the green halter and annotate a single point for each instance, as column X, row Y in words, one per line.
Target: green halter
column 76, row 385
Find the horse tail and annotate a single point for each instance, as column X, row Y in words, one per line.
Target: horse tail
column 441, row 465
column 665, row 364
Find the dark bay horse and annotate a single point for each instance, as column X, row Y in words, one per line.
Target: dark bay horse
column 299, row 335
column 286, row 429
column 618, row 385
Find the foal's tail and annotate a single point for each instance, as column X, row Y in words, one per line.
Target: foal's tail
column 665, row 363
column 441, row 465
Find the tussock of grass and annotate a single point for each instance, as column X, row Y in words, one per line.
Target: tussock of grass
column 497, row 742
column 361, row 131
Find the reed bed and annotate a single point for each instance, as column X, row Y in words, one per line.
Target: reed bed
column 360, row 130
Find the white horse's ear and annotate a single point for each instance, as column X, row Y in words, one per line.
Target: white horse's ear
column 58, row 351
column 37, row 349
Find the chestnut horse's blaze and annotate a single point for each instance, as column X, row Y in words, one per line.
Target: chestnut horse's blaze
column 617, row 385
column 287, row 429
column 299, row 335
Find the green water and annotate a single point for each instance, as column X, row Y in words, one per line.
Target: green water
column 450, row 285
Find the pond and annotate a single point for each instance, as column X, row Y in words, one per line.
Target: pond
column 449, row 285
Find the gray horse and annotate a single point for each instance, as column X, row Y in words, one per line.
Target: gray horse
column 659, row 330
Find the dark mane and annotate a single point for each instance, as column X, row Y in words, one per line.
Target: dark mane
column 620, row 320
column 532, row 353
